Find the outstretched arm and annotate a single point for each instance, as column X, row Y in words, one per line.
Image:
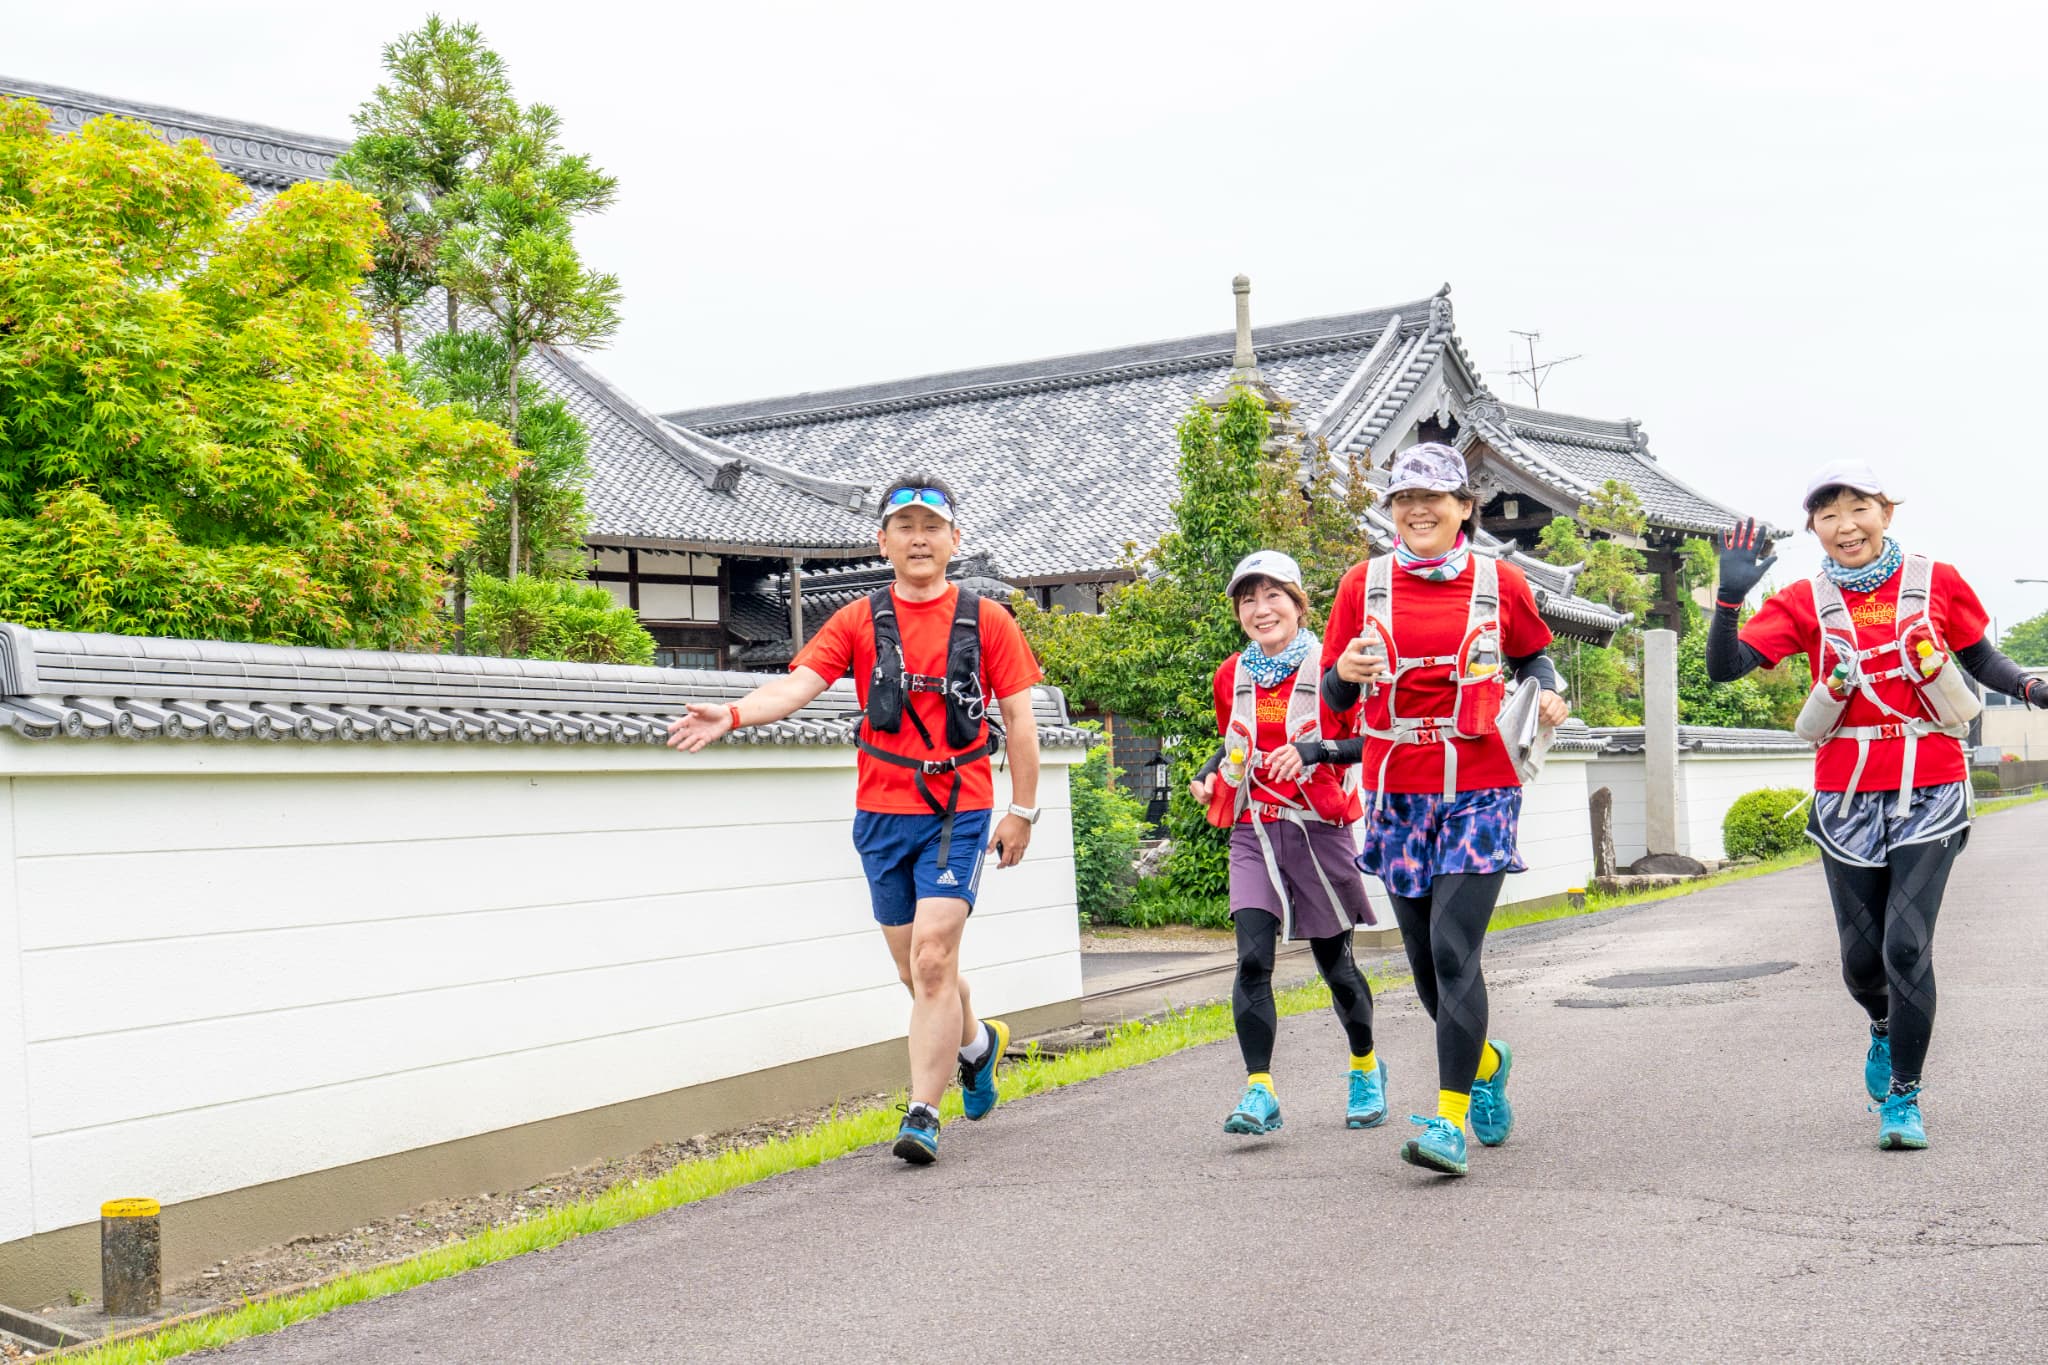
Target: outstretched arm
column 1996, row 673
column 704, row 721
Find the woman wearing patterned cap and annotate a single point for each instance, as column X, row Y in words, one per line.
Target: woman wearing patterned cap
column 1887, row 636
column 1279, row 786
column 1431, row 633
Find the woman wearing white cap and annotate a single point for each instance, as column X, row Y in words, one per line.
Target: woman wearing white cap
column 1433, row 632
column 1884, row 633
column 1279, row 786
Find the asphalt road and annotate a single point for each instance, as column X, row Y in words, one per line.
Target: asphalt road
column 1693, row 1176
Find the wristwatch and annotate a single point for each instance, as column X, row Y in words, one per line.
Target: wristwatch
column 1028, row 814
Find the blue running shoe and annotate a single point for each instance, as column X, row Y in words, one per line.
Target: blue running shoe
column 978, row 1079
column 1877, row 1067
column 1898, row 1125
column 1258, row 1112
column 1367, row 1107
column 917, row 1140
column 1492, row 1117
column 1440, row 1148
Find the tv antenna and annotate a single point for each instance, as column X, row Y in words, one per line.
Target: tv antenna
column 1535, row 372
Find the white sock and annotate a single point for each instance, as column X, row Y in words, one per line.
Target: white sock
column 920, row 1107
column 984, row 1036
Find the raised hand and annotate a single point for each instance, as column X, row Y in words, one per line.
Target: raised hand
column 1746, row 556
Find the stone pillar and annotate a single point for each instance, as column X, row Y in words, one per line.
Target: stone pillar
column 1244, row 361
column 1660, row 740
column 131, row 1258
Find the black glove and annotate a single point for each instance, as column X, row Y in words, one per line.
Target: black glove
column 2035, row 693
column 1743, row 563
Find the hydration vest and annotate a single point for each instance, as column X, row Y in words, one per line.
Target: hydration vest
column 1325, row 801
column 1914, row 652
column 972, row 733
column 1479, row 668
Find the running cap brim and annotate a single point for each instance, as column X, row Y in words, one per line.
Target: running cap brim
column 1273, row 564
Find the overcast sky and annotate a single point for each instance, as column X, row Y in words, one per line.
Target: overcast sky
column 1778, row 234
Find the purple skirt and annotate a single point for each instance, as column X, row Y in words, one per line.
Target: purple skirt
column 1300, row 850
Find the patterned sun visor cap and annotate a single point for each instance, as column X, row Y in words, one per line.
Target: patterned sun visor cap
column 1430, row 465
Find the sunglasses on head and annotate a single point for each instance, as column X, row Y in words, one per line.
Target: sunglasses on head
column 907, row 497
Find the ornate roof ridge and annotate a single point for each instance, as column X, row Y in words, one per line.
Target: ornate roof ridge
column 253, row 151
column 1306, row 336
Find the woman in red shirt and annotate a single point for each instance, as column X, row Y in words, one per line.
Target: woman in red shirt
column 1281, row 789
column 1416, row 629
column 1883, row 632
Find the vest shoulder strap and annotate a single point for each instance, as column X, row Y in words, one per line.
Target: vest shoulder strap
column 1829, row 607
column 1485, row 608
column 1916, row 585
column 1379, row 584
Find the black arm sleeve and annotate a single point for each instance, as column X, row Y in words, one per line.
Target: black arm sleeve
column 1215, row 761
column 1314, row 751
column 1728, row 658
column 1994, row 671
column 1338, row 695
column 1539, row 667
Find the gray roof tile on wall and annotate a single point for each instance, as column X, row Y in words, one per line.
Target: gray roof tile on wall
column 65, row 685
column 1581, row 453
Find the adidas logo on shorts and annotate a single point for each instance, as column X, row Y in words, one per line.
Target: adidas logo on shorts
column 947, row 878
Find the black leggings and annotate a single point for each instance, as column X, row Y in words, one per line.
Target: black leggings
column 1258, row 939
column 1443, row 935
column 1886, row 919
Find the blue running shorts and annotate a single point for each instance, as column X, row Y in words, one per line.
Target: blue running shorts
column 900, row 854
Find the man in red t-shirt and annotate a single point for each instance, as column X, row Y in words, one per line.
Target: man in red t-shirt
column 924, row 786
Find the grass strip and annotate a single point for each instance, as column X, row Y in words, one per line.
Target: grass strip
column 1130, row 1044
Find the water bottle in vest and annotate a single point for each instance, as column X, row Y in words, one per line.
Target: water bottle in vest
column 1482, row 685
column 1824, row 705
column 1937, row 679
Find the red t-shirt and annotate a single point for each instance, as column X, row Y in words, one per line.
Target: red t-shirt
column 1787, row 623
column 1429, row 619
column 846, row 643
column 1269, row 709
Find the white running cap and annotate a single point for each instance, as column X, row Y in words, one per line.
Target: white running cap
column 1272, row 564
column 1844, row 474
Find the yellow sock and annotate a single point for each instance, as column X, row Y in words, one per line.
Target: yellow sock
column 1367, row 1062
column 1264, row 1078
column 1489, row 1062
column 1453, row 1106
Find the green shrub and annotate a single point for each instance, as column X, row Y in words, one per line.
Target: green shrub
column 532, row 618
column 1109, row 822
column 1158, row 901
column 1756, row 827
column 1984, row 781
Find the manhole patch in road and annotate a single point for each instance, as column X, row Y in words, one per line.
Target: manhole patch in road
column 1690, row 976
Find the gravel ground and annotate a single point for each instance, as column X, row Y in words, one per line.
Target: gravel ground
column 308, row 1260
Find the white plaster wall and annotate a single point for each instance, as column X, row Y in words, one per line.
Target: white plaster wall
column 1708, row 784
column 242, row 962
column 1557, row 833
column 16, row 1199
